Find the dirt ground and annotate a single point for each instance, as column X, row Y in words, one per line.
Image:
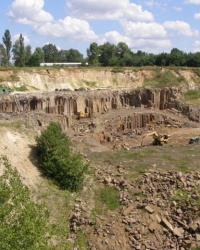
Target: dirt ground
column 18, row 143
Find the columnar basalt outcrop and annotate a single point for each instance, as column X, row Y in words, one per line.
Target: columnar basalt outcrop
column 88, row 101
column 92, row 103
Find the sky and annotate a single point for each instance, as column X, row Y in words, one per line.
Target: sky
column 148, row 25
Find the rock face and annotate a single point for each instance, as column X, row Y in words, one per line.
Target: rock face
column 70, row 105
column 50, row 79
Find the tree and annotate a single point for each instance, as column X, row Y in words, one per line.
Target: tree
column 74, row 55
column 62, row 55
column 3, row 57
column 124, row 54
column 177, row 57
column 38, row 52
column 108, row 54
column 193, row 59
column 8, row 44
column 19, row 52
column 28, row 54
column 36, row 58
column 162, row 59
column 56, row 159
column 93, row 54
column 50, row 52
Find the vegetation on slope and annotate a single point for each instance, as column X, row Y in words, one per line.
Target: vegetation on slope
column 23, row 223
column 56, row 159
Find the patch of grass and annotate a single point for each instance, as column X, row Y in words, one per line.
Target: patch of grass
column 162, row 79
column 180, row 195
column 109, row 197
column 168, row 158
column 14, row 124
column 183, row 164
column 181, row 78
column 182, row 167
column 142, row 168
column 192, row 94
column 91, row 84
column 118, row 70
column 185, row 196
column 196, row 71
column 81, row 241
column 21, row 88
column 14, row 78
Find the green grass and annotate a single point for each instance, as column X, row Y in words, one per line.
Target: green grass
column 196, row 71
column 91, row 84
column 109, row 197
column 193, row 94
column 13, row 124
column 122, row 155
column 163, row 79
column 185, row 196
column 118, row 70
column 168, row 158
column 81, row 241
column 21, row 88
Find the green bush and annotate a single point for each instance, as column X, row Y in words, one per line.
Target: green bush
column 56, row 159
column 23, row 223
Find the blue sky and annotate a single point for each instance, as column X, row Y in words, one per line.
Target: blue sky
column 148, row 25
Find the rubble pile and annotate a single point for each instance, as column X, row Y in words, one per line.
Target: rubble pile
column 158, row 210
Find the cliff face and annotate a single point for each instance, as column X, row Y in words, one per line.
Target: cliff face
column 89, row 102
column 51, row 79
column 67, row 107
column 109, row 91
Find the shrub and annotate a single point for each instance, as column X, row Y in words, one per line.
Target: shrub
column 56, row 159
column 23, row 223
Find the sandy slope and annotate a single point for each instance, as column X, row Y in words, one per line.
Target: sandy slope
column 17, row 146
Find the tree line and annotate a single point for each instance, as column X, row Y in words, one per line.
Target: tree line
column 107, row 54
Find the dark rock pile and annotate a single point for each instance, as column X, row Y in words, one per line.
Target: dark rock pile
column 159, row 210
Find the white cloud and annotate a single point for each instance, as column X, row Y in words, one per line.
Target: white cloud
column 115, row 37
column 151, row 45
column 177, row 8
column 29, row 12
column 69, row 28
column 197, row 15
column 143, row 30
column 196, row 46
column 192, row 1
column 26, row 39
column 151, row 3
column 182, row 27
column 107, row 9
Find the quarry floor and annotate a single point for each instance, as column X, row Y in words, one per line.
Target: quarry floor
column 125, row 151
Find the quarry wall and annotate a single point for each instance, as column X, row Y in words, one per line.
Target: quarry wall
column 67, row 107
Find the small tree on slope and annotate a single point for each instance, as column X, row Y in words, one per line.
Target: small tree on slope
column 57, row 161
